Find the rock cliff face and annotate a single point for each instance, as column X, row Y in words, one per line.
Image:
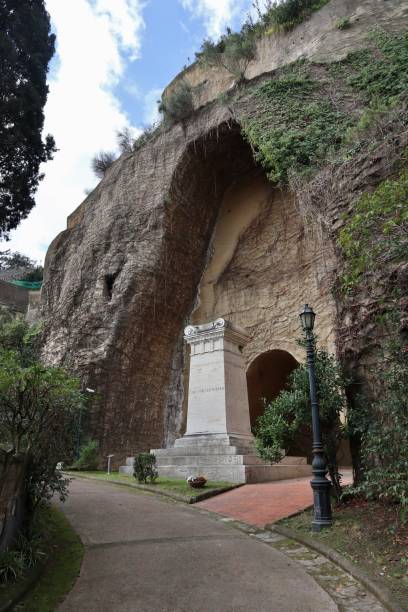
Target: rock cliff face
column 187, row 228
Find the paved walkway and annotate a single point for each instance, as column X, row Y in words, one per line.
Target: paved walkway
column 267, row 502
column 146, row 554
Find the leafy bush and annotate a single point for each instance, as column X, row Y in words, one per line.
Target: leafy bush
column 385, row 441
column 17, row 336
column 146, row 135
column 144, row 467
column 24, row 555
column 178, row 104
column 88, row 456
column 379, row 72
column 125, row 140
column 102, row 162
column 233, row 52
column 290, row 411
column 377, row 231
column 34, row 275
column 343, row 23
column 286, row 14
column 39, row 411
column 293, row 125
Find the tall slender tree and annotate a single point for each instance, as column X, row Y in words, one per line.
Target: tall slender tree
column 26, row 47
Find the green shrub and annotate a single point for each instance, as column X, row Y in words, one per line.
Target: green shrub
column 34, row 275
column 292, row 125
column 385, row 441
column 379, row 71
column 290, row 411
column 101, row 163
column 144, row 467
column 233, row 52
column 343, row 23
column 88, row 456
column 39, row 412
column 24, row 555
column 287, row 14
column 377, row 231
column 178, row 104
column 147, row 135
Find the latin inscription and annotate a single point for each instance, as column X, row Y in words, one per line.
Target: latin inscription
column 207, row 389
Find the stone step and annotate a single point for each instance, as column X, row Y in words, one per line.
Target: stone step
column 167, row 456
column 185, row 451
column 239, row 473
column 208, row 440
column 203, row 460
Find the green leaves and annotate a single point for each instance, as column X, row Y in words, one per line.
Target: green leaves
column 26, row 47
column 385, row 440
column 376, row 232
column 40, row 407
column 292, row 126
column 144, row 467
column 290, row 411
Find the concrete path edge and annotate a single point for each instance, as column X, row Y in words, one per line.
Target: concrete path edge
column 381, row 592
column 194, row 499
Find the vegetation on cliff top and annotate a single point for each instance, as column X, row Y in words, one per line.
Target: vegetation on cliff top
column 308, row 113
column 234, row 50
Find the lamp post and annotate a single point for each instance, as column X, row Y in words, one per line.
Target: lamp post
column 320, row 484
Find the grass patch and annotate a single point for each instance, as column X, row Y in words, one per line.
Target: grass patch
column 64, row 552
column 371, row 535
column 169, row 486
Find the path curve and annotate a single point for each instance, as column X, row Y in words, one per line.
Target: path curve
column 145, row 554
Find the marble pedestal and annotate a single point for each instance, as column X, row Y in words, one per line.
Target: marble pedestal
column 218, row 442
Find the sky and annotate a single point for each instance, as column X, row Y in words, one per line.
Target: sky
column 113, row 59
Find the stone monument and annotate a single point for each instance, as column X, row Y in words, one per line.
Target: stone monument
column 218, row 442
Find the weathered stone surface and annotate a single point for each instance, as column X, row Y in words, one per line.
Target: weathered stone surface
column 122, row 281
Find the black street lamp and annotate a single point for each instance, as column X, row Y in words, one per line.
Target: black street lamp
column 320, row 484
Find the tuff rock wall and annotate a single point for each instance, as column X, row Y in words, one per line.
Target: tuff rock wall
column 134, row 264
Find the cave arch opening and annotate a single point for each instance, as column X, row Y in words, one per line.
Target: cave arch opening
column 267, row 376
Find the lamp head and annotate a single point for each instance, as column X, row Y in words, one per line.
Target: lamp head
column 307, row 318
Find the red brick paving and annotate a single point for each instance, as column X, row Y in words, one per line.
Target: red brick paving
column 267, row 502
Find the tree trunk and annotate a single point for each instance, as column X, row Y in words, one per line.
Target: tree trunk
column 12, row 497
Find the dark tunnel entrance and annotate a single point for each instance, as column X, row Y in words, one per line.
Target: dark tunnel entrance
column 266, row 377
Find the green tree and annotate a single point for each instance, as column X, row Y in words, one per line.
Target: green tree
column 26, row 47
column 14, row 259
column 39, row 412
column 290, row 412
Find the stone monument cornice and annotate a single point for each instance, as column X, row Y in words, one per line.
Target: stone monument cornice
column 220, row 328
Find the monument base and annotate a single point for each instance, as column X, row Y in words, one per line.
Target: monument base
column 222, row 457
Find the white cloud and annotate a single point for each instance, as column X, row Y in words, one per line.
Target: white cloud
column 94, row 42
column 217, row 14
column 125, row 22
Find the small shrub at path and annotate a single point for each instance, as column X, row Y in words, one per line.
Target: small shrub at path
column 88, row 456
column 144, row 468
